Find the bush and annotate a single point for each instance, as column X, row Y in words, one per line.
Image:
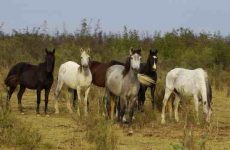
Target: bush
column 14, row 133
column 101, row 133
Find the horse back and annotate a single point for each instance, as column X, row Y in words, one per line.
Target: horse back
column 98, row 70
column 114, row 79
column 17, row 70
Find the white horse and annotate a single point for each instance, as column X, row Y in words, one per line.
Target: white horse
column 184, row 82
column 75, row 76
column 121, row 81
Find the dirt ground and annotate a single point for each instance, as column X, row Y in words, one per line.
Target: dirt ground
column 63, row 132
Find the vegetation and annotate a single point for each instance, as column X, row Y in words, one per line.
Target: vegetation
column 14, row 133
column 178, row 48
column 101, row 133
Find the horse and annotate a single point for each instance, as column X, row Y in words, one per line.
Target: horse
column 98, row 70
column 35, row 77
column 121, row 81
column 185, row 82
column 76, row 77
column 148, row 69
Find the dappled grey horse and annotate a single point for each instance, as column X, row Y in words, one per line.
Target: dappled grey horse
column 185, row 82
column 122, row 81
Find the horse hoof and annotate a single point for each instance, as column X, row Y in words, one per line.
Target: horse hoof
column 162, row 121
column 56, row 112
column 47, row 115
column 124, row 120
column 38, row 115
column 130, row 133
column 134, row 117
column 177, row 120
column 22, row 113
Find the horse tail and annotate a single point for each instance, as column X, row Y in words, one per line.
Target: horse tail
column 208, row 91
column 14, row 74
column 12, row 80
column 209, row 97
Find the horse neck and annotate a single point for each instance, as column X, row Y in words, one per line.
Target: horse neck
column 43, row 66
column 132, row 74
column 85, row 71
column 148, row 68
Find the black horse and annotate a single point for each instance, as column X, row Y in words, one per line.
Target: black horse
column 36, row 77
column 149, row 69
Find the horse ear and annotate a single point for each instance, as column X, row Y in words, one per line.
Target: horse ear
column 131, row 51
column 139, row 51
column 150, row 51
column 156, row 51
column 46, row 50
column 54, row 51
column 88, row 50
column 81, row 50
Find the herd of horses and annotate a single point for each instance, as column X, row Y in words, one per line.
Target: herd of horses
column 124, row 92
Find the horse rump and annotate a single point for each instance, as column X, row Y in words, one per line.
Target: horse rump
column 12, row 81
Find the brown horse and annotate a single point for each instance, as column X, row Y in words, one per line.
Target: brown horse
column 98, row 70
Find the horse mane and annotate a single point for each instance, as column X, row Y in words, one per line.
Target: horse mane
column 80, row 68
column 115, row 62
column 127, row 66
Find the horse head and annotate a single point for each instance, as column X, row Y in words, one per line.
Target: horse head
column 85, row 58
column 50, row 60
column 152, row 59
column 135, row 59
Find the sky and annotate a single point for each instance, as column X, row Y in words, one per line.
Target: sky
column 143, row 15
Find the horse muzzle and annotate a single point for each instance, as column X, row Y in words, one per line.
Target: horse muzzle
column 136, row 70
column 85, row 66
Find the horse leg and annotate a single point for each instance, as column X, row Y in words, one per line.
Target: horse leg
column 79, row 99
column 176, row 104
column 141, row 97
column 152, row 95
column 9, row 94
column 20, row 93
column 107, row 102
column 206, row 110
column 196, row 104
column 121, row 115
column 47, row 91
column 86, row 101
column 130, row 107
column 57, row 92
column 38, row 100
column 170, row 108
column 168, row 92
column 117, row 106
column 74, row 98
column 68, row 105
column 112, row 102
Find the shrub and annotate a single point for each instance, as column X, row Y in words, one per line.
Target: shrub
column 101, row 132
column 14, row 133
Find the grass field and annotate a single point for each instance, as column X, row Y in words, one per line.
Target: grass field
column 66, row 131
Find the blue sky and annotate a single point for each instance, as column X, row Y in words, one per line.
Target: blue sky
column 143, row 15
